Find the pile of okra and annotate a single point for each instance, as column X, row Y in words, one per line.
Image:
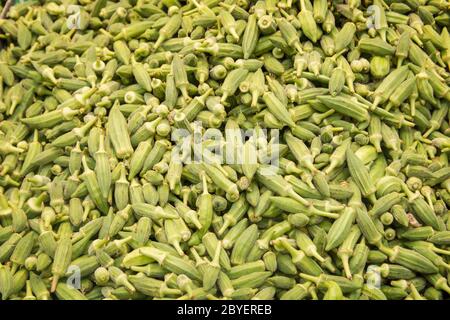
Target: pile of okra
column 340, row 191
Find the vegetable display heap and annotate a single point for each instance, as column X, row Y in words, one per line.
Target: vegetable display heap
column 341, row 191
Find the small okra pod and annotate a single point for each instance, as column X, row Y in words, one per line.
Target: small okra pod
column 232, row 82
column 329, row 24
column 385, row 203
column 196, row 105
column 218, row 72
column 103, row 168
column 307, row 245
column 345, row 106
column 432, row 294
column 133, row 30
column 210, row 241
column 229, row 23
column 276, row 107
column 439, row 282
column 212, row 269
column 400, row 215
column 138, row 158
column 267, row 293
column 298, row 292
column 61, row 261
column 101, row 276
column 187, row 214
column 120, row 278
column 169, row 29
column 266, row 24
column 230, row 237
column 173, row 175
column 402, row 48
column 119, row 220
column 6, row 74
column 253, row 194
column 174, row 234
column 344, row 37
column 321, row 184
column 368, row 228
column 222, row 182
column 93, row 140
column 359, row 259
column 386, row 87
column 346, row 249
column 75, row 158
column 146, row 132
column 22, row 250
column 328, row 46
column 272, row 65
column 75, row 211
column 154, row 177
column 440, row 238
column 302, row 262
column 289, row 33
column 225, row 285
column 243, row 245
column 333, row 292
column 314, row 63
column 39, row 287
column 237, row 211
column 201, row 74
column 163, row 193
column 337, row 81
column 90, row 179
column 423, row 210
column 141, row 75
column 180, row 75
column 6, row 281
column 8, row 247
column 143, row 230
column 437, row 118
column 252, row 280
column 375, row 133
column 360, row 175
column 277, row 184
column 152, row 287
column 66, row 292
column 373, row 293
column 395, row 272
column 172, row 263
column 400, row 95
column 320, row 10
column 137, row 192
column 205, row 212
column 308, row 24
column 250, row 37
column 133, row 259
column 432, row 256
column 250, row 161
column 51, row 118
column 171, row 93
column 340, row 229
column 122, row 51
column 409, row 259
column 19, row 281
